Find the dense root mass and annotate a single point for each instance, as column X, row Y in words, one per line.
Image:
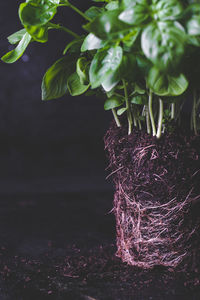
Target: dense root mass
column 156, row 202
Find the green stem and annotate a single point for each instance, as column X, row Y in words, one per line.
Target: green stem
column 144, row 111
column 66, row 3
column 194, row 113
column 60, row 27
column 173, row 111
column 117, row 94
column 133, row 115
column 151, row 113
column 140, row 125
column 160, row 119
column 129, row 116
column 116, row 117
column 134, row 121
column 198, row 103
column 147, row 119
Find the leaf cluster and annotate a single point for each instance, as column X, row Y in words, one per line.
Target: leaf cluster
column 130, row 47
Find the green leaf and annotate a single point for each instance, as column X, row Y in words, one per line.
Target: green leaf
column 166, row 9
column 110, row 81
column 37, row 12
column 82, row 69
column 107, row 26
column 130, row 39
column 139, row 99
column 15, row 54
column 74, row 46
column 192, row 19
column 113, row 102
column 110, row 93
column 128, row 68
column 74, row 85
column 55, row 1
column 100, row 0
column 38, row 33
column 121, row 111
column 138, row 89
column 93, row 12
column 91, row 42
column 135, row 14
column 166, row 85
column 164, row 44
column 112, row 5
column 192, row 9
column 54, row 83
column 193, row 26
column 143, row 64
column 194, row 40
column 128, row 3
column 90, row 93
column 105, row 65
column 16, row 37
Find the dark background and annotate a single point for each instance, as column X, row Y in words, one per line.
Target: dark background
column 53, row 194
column 47, row 147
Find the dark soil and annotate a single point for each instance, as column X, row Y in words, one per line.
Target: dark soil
column 63, row 247
column 157, row 198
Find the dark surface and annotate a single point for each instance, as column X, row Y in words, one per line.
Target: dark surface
column 57, row 247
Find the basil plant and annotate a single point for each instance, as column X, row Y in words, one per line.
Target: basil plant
column 140, row 56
